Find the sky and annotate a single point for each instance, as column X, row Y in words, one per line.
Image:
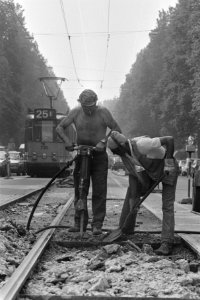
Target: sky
column 91, row 43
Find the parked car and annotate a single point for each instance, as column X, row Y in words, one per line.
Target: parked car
column 17, row 164
column 116, row 163
column 183, row 167
column 3, row 163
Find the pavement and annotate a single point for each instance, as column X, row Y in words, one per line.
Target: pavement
column 15, row 187
column 187, row 221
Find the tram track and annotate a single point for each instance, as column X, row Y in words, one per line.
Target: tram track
column 21, row 198
column 74, row 259
column 69, row 269
column 64, row 253
column 16, row 242
column 11, row 289
column 15, row 190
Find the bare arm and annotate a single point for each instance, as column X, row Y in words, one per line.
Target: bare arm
column 60, row 129
column 109, row 120
column 168, row 142
column 111, row 124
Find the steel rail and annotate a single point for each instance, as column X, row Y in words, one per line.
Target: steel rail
column 20, row 198
column 7, row 203
column 13, row 286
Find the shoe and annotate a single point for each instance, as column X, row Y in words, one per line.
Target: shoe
column 164, row 249
column 96, row 230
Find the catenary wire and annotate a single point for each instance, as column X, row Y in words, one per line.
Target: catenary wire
column 69, row 38
column 83, row 32
column 92, row 33
column 107, row 44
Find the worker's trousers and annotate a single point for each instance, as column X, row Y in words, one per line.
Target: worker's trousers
column 97, row 172
column 135, row 191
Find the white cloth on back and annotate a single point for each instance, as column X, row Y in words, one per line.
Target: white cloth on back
column 151, row 147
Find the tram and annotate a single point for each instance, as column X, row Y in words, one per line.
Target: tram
column 45, row 151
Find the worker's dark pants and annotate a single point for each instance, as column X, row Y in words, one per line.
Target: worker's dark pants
column 98, row 172
column 135, row 191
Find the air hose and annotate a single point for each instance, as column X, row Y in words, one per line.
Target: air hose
column 69, row 163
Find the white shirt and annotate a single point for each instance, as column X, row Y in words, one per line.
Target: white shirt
column 151, row 147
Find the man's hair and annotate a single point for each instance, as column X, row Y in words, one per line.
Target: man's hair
column 118, row 143
column 88, row 98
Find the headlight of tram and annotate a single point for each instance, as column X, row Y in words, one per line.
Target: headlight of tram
column 44, row 155
column 53, row 156
column 34, row 156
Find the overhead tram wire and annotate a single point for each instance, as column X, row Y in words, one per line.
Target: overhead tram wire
column 69, row 38
column 107, row 45
column 83, row 33
column 97, row 33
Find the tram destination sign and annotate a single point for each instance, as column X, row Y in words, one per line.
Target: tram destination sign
column 44, row 114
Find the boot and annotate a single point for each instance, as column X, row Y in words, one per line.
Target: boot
column 96, row 230
column 164, row 249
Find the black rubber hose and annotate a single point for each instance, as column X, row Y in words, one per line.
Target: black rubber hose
column 44, row 190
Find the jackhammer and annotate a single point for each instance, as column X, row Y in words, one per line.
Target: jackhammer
column 84, row 153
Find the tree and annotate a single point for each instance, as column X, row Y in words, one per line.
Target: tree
column 161, row 92
column 21, row 65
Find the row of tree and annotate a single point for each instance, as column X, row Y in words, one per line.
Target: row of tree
column 161, row 93
column 21, row 66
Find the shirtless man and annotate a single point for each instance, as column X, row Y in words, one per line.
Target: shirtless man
column 91, row 122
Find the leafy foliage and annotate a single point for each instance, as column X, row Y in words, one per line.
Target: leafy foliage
column 21, row 66
column 161, row 94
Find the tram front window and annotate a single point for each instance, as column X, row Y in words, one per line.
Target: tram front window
column 47, row 131
column 43, row 131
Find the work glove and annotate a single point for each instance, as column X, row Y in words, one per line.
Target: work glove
column 171, row 171
column 100, row 146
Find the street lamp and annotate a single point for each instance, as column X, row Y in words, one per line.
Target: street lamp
column 49, row 89
column 190, row 148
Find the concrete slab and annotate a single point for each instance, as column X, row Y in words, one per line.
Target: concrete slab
column 193, row 240
column 18, row 187
column 185, row 220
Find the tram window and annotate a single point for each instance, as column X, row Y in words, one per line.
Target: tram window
column 43, row 131
column 29, row 133
column 47, row 131
column 37, row 132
